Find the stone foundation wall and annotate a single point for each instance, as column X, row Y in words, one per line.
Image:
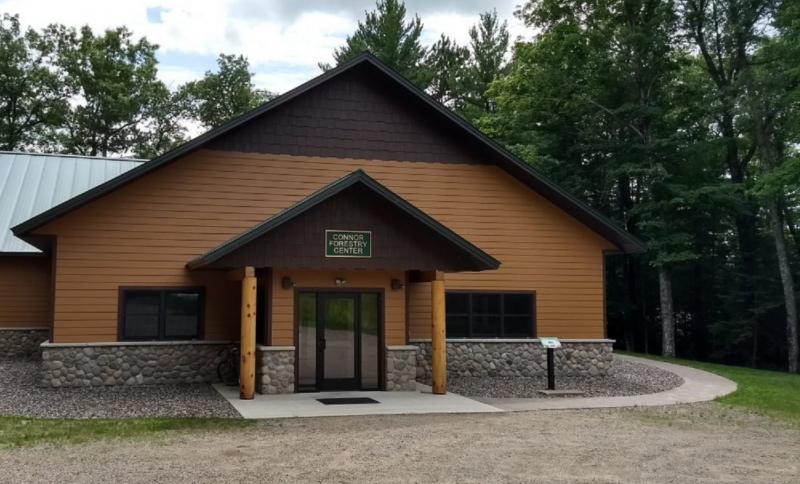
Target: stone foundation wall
column 401, row 368
column 21, row 343
column 519, row 358
column 275, row 369
column 99, row 364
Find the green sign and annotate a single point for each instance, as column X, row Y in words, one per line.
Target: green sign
column 348, row 243
column 549, row 342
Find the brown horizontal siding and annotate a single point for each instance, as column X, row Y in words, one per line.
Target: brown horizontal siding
column 25, row 292
column 144, row 233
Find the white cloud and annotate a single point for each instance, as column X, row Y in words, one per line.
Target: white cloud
column 174, row 76
column 284, row 40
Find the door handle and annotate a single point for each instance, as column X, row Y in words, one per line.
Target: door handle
column 322, row 344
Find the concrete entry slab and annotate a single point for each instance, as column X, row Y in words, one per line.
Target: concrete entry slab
column 421, row 401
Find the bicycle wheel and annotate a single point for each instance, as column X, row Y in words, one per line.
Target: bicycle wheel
column 227, row 374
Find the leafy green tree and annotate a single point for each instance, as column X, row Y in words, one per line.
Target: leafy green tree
column 113, row 80
column 165, row 127
column 33, row 97
column 773, row 98
column 449, row 61
column 221, row 96
column 387, row 34
column 598, row 101
column 488, row 48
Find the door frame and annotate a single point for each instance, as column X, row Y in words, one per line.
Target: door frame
column 381, row 292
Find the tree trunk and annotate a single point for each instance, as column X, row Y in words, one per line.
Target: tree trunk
column 629, row 269
column 765, row 152
column 793, row 344
column 667, row 318
column 789, row 219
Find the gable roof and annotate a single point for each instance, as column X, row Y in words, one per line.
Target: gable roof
column 517, row 168
column 32, row 183
column 478, row 260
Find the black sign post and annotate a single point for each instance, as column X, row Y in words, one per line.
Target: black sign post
column 550, row 344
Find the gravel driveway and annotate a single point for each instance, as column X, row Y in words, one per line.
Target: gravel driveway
column 629, row 378
column 20, row 394
column 701, row 443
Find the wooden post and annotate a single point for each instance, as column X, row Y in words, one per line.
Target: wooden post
column 438, row 340
column 247, row 369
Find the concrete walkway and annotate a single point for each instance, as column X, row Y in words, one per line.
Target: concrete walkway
column 698, row 386
column 421, row 401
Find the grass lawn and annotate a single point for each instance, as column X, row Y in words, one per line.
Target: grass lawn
column 24, row 431
column 772, row 393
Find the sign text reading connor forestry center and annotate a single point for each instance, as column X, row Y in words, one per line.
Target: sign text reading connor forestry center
column 348, row 243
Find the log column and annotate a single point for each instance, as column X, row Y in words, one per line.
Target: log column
column 247, row 369
column 438, row 340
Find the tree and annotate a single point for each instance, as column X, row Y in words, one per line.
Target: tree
column 772, row 82
column 725, row 33
column 164, row 128
column 449, row 61
column 113, row 79
column 395, row 41
column 33, row 97
column 618, row 116
column 488, row 48
column 221, row 96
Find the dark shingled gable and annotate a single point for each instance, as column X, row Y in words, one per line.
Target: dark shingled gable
column 352, row 116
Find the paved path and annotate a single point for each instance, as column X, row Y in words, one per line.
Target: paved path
column 421, row 401
column 698, row 386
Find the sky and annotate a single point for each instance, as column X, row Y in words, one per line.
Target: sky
column 283, row 39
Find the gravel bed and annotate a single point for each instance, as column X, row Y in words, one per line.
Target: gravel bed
column 20, row 394
column 629, row 379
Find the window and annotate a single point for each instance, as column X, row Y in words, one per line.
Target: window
column 161, row 314
column 490, row 314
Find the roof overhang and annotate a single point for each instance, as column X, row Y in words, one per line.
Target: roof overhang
column 470, row 257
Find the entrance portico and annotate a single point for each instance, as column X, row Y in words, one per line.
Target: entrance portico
column 337, row 264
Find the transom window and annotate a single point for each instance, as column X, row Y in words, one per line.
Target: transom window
column 161, row 314
column 490, row 314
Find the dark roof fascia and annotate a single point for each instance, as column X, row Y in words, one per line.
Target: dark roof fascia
column 486, row 262
column 172, row 155
column 624, row 240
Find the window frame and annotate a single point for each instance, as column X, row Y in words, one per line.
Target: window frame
column 471, row 313
column 162, row 311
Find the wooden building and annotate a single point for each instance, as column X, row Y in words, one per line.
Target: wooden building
column 340, row 231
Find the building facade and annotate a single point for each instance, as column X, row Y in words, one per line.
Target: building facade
column 327, row 228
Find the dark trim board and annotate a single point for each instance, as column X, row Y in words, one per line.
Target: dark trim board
column 516, row 167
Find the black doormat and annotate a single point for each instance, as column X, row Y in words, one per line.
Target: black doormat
column 346, row 401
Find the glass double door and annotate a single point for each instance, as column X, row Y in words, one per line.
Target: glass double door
column 338, row 341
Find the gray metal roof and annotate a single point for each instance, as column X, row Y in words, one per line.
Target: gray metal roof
column 31, row 183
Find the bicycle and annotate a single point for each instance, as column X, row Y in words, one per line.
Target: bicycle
column 228, row 368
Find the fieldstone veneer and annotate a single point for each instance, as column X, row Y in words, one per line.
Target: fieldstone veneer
column 275, row 369
column 401, row 368
column 98, row 364
column 519, row 358
column 21, row 343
